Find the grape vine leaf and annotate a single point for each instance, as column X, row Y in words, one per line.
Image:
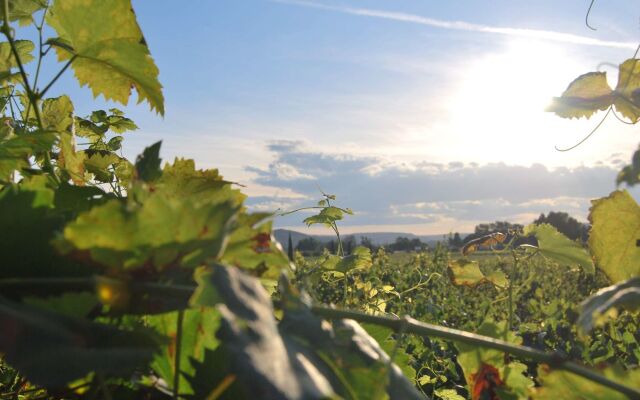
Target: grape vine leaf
column 615, row 234
column 22, row 10
column 630, row 174
column 252, row 246
column 383, row 336
column 111, row 55
column 327, row 216
column 27, row 212
column 161, row 232
column 627, row 99
column 7, row 59
column 559, row 248
column 486, row 371
column 57, row 114
column 467, row 273
column 52, row 349
column 557, row 384
column 590, row 93
column 148, row 163
column 587, row 94
column 16, row 150
column 198, row 334
column 359, row 259
column 594, row 309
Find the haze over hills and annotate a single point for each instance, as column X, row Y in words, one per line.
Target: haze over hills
column 377, row 238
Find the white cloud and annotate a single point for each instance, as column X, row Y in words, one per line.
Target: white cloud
column 464, row 26
column 428, row 197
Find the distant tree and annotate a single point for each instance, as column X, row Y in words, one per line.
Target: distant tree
column 290, row 251
column 403, row 243
column 366, row 242
column 565, row 224
column 455, row 241
column 309, row 246
column 331, row 246
column 348, row 244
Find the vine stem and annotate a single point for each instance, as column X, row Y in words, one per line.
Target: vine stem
column 33, row 97
column 410, row 325
column 178, row 354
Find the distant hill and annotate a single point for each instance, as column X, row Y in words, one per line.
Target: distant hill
column 377, row 238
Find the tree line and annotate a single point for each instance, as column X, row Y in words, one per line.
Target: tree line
column 562, row 221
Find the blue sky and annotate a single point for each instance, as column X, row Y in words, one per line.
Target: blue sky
column 422, row 116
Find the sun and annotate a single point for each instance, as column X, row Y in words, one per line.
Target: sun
column 496, row 110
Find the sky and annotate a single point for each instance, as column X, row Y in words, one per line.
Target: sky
column 422, row 116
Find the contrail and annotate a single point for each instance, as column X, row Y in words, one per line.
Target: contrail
column 464, row 26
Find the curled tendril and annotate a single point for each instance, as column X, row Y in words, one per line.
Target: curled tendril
column 586, row 18
column 590, row 133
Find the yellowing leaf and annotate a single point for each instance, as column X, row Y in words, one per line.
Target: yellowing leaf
column 57, row 114
column 585, row 95
column 615, row 234
column 627, row 91
column 468, row 273
column 8, row 61
column 71, row 160
column 476, row 362
column 559, row 248
column 111, row 54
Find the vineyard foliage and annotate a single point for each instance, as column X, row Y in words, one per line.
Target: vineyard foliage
column 128, row 279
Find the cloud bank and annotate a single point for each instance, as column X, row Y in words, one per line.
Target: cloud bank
column 425, row 197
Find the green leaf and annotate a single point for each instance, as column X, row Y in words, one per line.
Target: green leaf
column 585, row 95
column 161, row 232
column 22, row 10
column 327, row 216
column 564, row 385
column 52, row 350
column 7, row 59
column 73, row 304
column 448, row 394
column 360, row 259
column 251, row 246
column 27, row 211
column 15, row 151
column 182, row 179
column 198, row 334
column 98, row 163
column 383, row 336
column 559, row 248
column 111, row 54
column 630, row 174
column 614, row 236
column 148, row 163
column 594, row 310
column 465, row 272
